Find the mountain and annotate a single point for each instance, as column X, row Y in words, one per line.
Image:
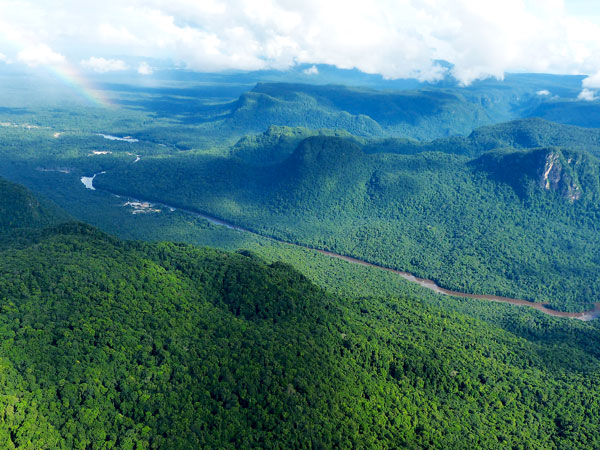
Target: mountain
column 531, row 133
column 112, row 344
column 517, row 224
column 424, row 114
column 569, row 111
column 573, row 175
column 257, row 110
column 320, row 156
column 19, row 208
column 317, row 172
column 276, row 143
column 420, row 114
column 519, row 134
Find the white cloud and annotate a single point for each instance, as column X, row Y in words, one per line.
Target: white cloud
column 543, row 93
column 587, row 95
column 145, row 69
column 592, row 81
column 40, row 55
column 102, row 65
column 395, row 38
column 3, row 58
column 311, row 71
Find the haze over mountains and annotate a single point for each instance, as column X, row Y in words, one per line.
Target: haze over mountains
column 299, row 225
column 250, row 337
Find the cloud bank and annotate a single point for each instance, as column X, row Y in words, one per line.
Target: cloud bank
column 40, row 55
column 587, row 95
column 145, row 69
column 312, row 70
column 395, row 38
column 102, row 65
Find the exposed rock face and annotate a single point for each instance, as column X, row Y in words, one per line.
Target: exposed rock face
column 573, row 175
column 554, row 176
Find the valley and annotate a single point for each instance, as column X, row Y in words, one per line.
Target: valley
column 256, row 264
column 429, row 284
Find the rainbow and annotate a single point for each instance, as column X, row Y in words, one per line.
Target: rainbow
column 67, row 72
column 72, row 77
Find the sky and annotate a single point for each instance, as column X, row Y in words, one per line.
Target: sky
column 394, row 38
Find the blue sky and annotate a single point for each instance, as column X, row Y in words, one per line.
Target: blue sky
column 395, row 38
column 589, row 9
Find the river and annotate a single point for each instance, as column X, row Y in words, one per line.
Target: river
column 429, row 284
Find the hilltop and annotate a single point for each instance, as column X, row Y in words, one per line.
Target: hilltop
column 133, row 345
column 420, row 114
column 572, row 175
column 518, row 134
column 504, row 224
column 19, row 208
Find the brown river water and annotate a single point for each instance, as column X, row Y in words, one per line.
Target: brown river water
column 429, row 284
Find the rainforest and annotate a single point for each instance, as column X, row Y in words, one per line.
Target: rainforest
column 300, row 256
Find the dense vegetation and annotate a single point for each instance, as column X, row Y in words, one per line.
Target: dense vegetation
column 518, row 134
column 113, row 344
column 108, row 344
column 444, row 217
column 277, row 143
column 420, row 114
column 19, row 208
column 346, row 212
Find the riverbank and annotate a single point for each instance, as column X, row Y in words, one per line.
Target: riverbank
column 429, row 284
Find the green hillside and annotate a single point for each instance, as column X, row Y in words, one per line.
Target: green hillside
column 572, row 175
column 277, row 143
column 110, row 344
column 19, row 208
column 531, row 133
column 519, row 134
column 422, row 114
column 458, row 221
column 574, row 112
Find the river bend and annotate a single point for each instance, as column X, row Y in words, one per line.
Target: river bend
column 429, row 284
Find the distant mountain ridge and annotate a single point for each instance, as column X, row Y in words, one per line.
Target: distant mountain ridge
column 518, row 134
column 427, row 113
column 360, row 111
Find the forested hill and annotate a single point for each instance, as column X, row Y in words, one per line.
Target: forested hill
column 422, row 114
column 277, row 143
column 535, row 132
column 519, row 134
column 573, row 175
column 19, row 208
column 111, row 344
column 504, row 224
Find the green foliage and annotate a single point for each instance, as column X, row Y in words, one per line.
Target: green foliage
column 123, row 345
column 569, row 111
column 518, row 134
column 439, row 216
column 422, row 114
column 111, row 344
column 277, row 143
column 20, row 209
column 572, row 175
